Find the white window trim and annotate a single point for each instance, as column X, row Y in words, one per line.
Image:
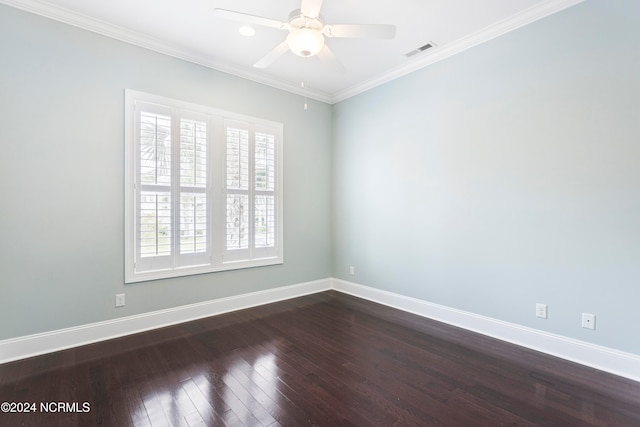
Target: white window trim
column 216, row 176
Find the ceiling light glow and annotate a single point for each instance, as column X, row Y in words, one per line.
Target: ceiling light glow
column 305, row 41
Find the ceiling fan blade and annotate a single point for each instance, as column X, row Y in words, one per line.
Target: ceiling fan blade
column 270, row 57
column 250, row 19
column 374, row 31
column 311, row 8
column 326, row 55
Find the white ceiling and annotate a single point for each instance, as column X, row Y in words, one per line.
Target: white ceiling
column 188, row 30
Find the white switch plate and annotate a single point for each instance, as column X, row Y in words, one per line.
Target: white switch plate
column 541, row 311
column 352, row 270
column 588, row 321
column 119, row 300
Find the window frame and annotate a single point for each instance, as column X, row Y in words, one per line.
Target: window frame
column 218, row 255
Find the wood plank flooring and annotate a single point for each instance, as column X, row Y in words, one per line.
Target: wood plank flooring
column 326, row 359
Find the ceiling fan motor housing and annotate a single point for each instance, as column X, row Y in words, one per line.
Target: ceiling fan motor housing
column 305, row 34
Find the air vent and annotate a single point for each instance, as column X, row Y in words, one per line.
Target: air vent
column 420, row 49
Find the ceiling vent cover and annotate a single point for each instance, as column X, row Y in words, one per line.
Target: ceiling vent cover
column 427, row 46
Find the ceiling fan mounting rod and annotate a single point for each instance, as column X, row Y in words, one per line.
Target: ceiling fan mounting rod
column 297, row 20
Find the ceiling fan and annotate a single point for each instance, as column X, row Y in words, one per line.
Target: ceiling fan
column 307, row 31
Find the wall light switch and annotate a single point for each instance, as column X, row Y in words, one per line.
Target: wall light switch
column 119, row 300
column 352, row 270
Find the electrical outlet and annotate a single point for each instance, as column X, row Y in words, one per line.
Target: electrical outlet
column 588, row 321
column 119, row 300
column 541, row 311
column 352, row 270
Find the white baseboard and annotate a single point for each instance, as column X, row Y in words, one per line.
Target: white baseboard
column 47, row 342
column 603, row 358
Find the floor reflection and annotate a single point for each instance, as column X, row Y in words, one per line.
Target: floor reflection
column 249, row 388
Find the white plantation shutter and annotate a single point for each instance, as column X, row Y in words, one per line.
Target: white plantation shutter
column 172, row 210
column 237, row 192
column 203, row 189
column 250, row 189
column 194, row 246
column 154, row 208
column 154, row 224
column 265, row 174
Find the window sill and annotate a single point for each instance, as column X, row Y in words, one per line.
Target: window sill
column 200, row 269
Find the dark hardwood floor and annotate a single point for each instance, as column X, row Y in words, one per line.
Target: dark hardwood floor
column 324, row 359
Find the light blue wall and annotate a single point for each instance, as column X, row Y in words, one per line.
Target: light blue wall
column 506, row 175
column 501, row 177
column 62, row 168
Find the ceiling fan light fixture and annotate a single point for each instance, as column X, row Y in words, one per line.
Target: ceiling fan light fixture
column 305, row 42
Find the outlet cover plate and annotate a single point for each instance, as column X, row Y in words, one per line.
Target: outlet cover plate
column 588, row 321
column 541, row 311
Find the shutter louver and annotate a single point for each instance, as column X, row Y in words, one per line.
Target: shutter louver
column 264, row 215
column 193, row 223
column 155, row 224
column 155, row 149
column 193, row 153
column 265, row 222
column 237, row 164
column 154, row 219
column 193, row 184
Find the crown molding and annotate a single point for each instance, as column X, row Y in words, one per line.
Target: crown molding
column 518, row 20
column 132, row 37
column 439, row 53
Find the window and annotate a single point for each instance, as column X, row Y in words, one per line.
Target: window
column 203, row 189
